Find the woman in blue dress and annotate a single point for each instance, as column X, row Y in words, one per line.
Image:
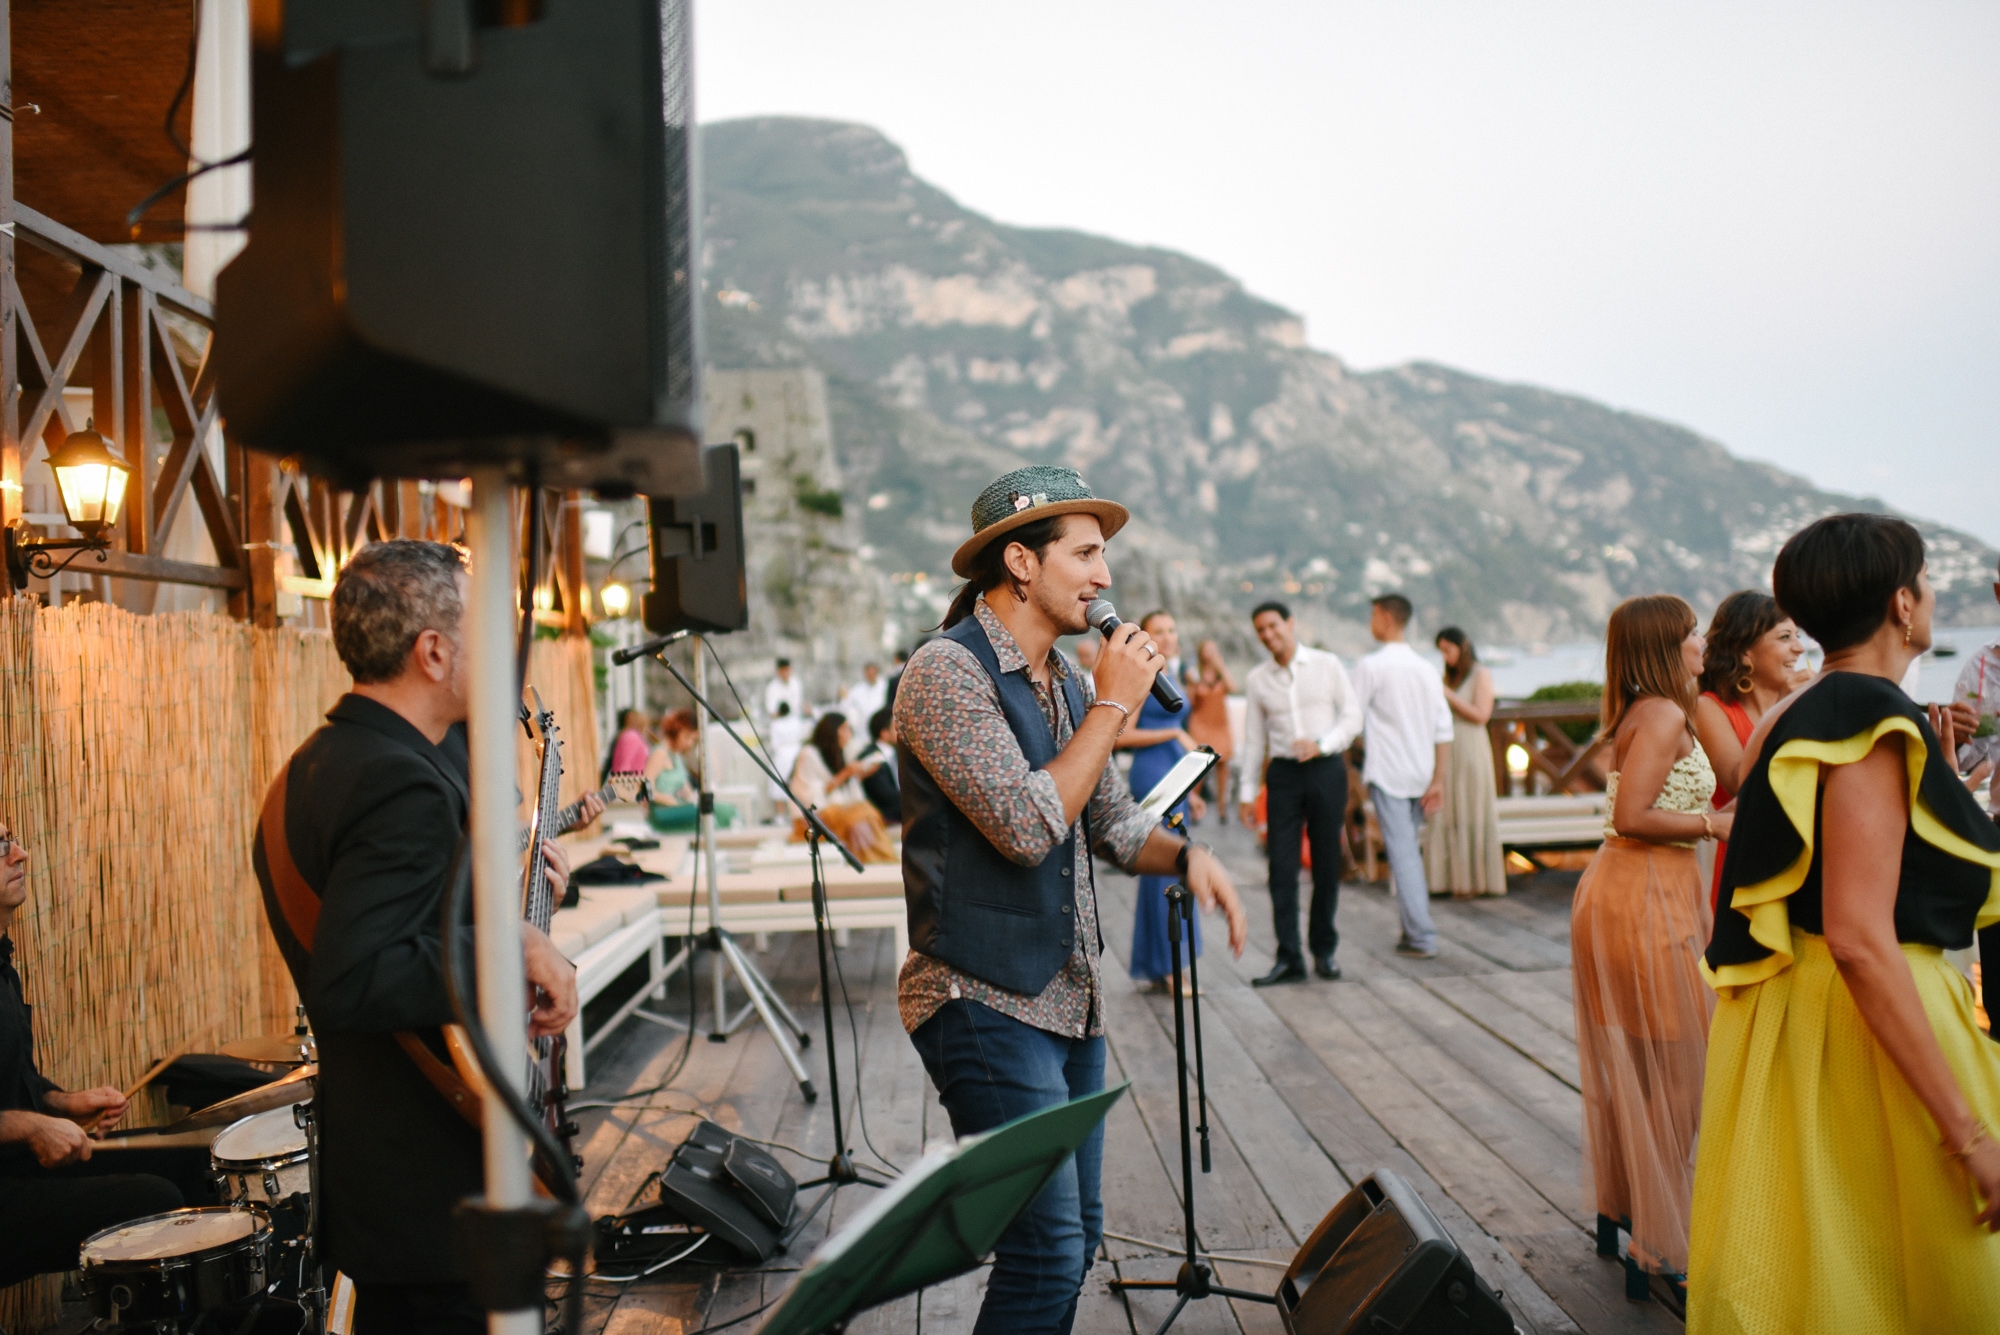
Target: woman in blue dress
column 1157, row 741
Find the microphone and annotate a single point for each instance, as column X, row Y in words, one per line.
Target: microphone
column 1103, row 618
column 621, row 657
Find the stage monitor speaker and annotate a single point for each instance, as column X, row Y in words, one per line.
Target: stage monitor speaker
column 473, row 242
column 697, row 552
column 1381, row 1262
column 717, row 1185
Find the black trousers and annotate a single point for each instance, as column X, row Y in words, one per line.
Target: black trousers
column 46, row 1213
column 416, row 1309
column 1309, row 795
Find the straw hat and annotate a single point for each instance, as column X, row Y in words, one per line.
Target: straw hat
column 1025, row 495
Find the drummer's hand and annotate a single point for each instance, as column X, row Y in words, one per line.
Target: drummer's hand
column 55, row 1141
column 551, row 984
column 557, row 859
column 97, row 1109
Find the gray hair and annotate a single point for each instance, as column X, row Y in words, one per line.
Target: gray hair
column 389, row 594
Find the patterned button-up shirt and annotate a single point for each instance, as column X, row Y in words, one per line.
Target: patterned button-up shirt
column 948, row 714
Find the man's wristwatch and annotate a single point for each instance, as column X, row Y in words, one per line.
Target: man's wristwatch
column 1181, row 858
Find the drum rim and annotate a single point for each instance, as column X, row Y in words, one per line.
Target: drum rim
column 218, row 1164
column 258, row 1238
column 267, row 1163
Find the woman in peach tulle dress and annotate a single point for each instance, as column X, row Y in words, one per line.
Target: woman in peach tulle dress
column 1640, row 923
column 1209, row 687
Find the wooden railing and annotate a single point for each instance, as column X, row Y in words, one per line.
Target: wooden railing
column 1567, row 766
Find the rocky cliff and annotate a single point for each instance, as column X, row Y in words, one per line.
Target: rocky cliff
column 955, row 347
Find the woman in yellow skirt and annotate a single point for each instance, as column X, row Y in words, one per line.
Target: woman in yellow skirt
column 1636, row 934
column 1848, row 1179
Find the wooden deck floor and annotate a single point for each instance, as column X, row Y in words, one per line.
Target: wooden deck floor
column 1459, row 1073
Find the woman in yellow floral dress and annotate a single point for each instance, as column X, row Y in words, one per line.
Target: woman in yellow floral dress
column 1848, row 1178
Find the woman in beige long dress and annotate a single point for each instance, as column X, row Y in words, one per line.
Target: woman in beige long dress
column 1462, row 842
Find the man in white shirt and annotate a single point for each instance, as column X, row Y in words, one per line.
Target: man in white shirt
column 1301, row 713
column 1408, row 727
column 865, row 698
column 785, row 689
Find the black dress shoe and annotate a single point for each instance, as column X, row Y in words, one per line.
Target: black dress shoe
column 1281, row 973
column 1327, row 969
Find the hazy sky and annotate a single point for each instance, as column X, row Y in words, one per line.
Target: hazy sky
column 1778, row 223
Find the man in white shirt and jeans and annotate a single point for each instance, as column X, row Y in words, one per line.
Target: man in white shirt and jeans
column 1302, row 713
column 1408, row 727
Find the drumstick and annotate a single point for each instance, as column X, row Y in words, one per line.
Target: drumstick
column 144, row 1080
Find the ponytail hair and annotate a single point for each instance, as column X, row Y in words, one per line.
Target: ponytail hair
column 989, row 567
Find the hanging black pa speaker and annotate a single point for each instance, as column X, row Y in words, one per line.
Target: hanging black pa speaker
column 697, row 550
column 473, row 242
column 1381, row 1262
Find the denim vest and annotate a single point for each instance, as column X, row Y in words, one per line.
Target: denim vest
column 969, row 904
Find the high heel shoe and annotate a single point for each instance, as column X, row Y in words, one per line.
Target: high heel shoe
column 1672, row 1292
column 1607, row 1237
column 1638, row 1284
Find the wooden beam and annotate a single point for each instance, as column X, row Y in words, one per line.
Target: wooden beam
column 65, row 243
column 125, row 565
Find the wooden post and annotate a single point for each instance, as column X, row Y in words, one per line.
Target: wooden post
column 575, row 592
column 134, row 326
column 10, row 377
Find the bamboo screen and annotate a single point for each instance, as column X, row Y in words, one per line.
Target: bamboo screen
column 134, row 755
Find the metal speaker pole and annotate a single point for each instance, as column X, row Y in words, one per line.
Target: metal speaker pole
column 763, row 998
column 496, row 907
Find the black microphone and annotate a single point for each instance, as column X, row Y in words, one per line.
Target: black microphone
column 620, row 657
column 1103, row 618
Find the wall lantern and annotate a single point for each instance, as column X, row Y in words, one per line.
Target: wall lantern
column 90, row 478
column 616, row 600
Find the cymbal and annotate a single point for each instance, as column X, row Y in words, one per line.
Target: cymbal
column 292, row 1048
column 278, row 1094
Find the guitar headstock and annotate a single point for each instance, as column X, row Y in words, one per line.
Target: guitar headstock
column 625, row 787
column 545, row 720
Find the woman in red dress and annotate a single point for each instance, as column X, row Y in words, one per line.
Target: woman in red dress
column 1751, row 663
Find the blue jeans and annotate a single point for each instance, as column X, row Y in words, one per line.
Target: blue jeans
column 989, row 1070
column 1400, row 819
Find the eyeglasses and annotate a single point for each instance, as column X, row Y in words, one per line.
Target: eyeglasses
column 8, row 843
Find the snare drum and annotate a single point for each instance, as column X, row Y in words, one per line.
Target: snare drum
column 166, row 1269
column 261, row 1160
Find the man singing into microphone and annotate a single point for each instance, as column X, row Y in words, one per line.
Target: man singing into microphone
column 1006, row 790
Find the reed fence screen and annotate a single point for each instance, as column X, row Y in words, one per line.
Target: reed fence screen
column 134, row 755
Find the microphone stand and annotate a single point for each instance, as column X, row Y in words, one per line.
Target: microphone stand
column 1195, row 1278
column 840, row 1169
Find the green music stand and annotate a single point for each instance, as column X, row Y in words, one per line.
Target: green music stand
column 937, row 1220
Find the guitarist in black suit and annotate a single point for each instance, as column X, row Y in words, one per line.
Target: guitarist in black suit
column 352, row 850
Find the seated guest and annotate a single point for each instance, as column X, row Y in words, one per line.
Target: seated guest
column 827, row 781
column 880, row 785
column 52, row 1194
column 675, row 803
column 630, row 748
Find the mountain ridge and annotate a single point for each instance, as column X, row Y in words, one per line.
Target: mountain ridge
column 955, row 347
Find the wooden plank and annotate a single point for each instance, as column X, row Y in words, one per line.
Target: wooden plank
column 1505, row 943
column 1529, row 1086
column 1512, row 1026
column 1404, row 1027
column 1534, row 1231
column 1547, row 999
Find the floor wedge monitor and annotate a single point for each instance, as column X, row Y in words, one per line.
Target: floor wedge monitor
column 473, row 242
column 1381, row 1262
